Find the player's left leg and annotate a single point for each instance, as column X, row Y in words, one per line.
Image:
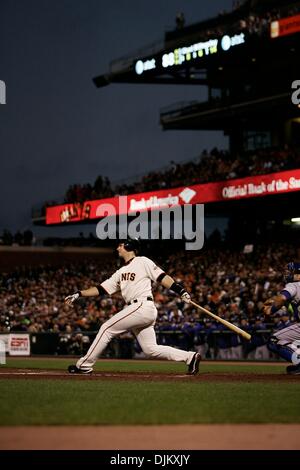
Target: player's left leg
column 283, row 350
column 286, row 343
column 130, row 317
column 147, row 340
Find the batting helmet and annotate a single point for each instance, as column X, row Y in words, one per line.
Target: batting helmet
column 291, row 269
column 132, row 244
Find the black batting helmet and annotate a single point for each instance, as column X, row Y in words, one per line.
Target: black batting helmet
column 132, row 244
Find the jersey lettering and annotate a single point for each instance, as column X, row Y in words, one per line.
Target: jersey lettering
column 128, row 277
column 134, row 280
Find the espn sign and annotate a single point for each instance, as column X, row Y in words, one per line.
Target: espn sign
column 19, row 344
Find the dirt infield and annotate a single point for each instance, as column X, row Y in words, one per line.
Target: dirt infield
column 164, row 437
column 15, row 373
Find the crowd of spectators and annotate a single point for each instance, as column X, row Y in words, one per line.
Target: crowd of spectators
column 27, row 238
column 252, row 22
column 80, row 193
column 19, row 238
column 259, row 23
column 216, row 165
column 231, row 284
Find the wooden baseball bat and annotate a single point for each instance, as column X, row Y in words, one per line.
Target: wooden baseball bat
column 229, row 325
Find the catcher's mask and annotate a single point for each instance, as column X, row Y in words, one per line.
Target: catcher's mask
column 291, row 269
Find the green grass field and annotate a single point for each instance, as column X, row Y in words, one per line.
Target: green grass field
column 63, row 401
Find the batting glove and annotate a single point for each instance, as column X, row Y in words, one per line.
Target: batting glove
column 70, row 299
column 186, row 297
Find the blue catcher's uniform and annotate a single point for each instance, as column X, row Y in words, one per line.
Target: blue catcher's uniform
column 286, row 341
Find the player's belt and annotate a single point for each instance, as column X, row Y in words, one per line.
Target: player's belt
column 138, row 300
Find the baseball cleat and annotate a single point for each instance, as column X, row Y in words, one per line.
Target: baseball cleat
column 293, row 370
column 194, row 365
column 75, row 370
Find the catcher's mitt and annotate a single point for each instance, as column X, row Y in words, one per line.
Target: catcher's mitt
column 267, row 306
column 268, row 302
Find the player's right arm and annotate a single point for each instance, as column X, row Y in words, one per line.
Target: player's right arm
column 275, row 303
column 90, row 292
column 169, row 283
column 108, row 287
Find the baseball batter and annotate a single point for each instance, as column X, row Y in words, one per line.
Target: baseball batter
column 133, row 279
column 286, row 342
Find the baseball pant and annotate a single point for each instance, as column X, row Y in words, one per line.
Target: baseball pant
column 140, row 319
column 286, row 342
column 287, row 335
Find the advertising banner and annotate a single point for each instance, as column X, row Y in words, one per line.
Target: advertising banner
column 242, row 188
column 19, row 344
column 285, row 26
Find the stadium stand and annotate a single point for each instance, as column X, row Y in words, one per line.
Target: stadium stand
column 216, row 165
column 230, row 283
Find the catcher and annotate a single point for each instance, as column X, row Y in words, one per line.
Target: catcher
column 286, row 342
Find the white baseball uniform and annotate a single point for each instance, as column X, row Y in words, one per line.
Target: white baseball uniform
column 139, row 316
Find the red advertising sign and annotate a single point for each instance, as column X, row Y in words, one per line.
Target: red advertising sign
column 285, row 26
column 252, row 186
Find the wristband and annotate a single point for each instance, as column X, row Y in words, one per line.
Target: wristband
column 160, row 277
column 101, row 290
column 177, row 288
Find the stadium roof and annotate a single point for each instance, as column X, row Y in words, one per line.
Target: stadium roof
column 151, row 64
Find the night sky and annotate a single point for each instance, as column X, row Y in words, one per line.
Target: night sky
column 57, row 128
